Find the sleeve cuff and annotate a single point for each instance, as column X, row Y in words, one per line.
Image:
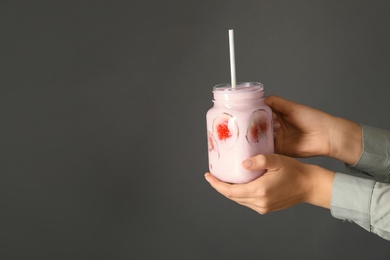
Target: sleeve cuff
column 351, row 199
column 375, row 158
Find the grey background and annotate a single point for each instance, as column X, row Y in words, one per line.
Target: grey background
column 102, row 123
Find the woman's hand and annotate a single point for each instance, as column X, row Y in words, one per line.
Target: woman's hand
column 302, row 131
column 287, row 182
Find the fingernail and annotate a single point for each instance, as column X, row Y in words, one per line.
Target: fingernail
column 247, row 163
column 206, row 176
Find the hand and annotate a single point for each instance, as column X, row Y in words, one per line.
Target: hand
column 287, row 182
column 302, row 131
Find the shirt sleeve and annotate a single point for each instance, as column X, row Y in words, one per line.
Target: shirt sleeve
column 362, row 201
column 375, row 158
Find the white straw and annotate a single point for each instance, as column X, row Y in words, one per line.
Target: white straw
column 232, row 59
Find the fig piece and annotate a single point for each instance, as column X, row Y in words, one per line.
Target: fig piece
column 211, row 143
column 258, row 126
column 225, row 128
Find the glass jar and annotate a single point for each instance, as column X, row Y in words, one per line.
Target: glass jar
column 239, row 126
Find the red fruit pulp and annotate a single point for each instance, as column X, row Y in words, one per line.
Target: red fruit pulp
column 223, row 131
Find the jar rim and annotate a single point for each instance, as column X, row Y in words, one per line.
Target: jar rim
column 240, row 86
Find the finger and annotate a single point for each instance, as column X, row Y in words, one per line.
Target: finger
column 280, row 105
column 274, row 116
column 263, row 161
column 231, row 191
column 276, row 125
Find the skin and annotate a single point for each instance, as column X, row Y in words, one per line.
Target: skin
column 299, row 131
column 302, row 131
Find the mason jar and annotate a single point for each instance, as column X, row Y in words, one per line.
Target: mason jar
column 239, row 126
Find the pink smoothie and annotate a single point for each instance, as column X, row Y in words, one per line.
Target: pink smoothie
column 239, row 126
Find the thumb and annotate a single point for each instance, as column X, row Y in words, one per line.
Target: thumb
column 263, row 161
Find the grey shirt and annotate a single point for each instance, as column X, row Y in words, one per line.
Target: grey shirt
column 365, row 200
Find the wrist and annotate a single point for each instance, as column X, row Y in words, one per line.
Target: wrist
column 345, row 140
column 320, row 182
